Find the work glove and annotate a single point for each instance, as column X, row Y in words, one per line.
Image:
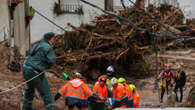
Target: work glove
column 93, row 97
column 57, row 96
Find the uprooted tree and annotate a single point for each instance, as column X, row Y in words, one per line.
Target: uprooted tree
column 92, row 47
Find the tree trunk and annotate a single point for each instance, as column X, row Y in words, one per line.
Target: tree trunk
column 140, row 3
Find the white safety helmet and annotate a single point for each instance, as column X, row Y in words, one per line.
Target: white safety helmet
column 110, row 69
column 77, row 75
column 114, row 81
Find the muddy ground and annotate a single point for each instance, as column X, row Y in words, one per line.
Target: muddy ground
column 148, row 96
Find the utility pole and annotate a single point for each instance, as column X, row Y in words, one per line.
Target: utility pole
column 140, row 3
column 22, row 27
column 108, row 4
column 148, row 2
column 19, row 28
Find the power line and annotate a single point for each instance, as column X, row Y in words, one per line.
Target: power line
column 48, row 19
column 113, row 15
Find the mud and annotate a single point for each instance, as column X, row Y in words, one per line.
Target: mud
column 12, row 100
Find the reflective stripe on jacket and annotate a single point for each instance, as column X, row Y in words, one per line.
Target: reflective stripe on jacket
column 129, row 91
column 135, row 99
column 119, row 92
column 101, row 91
column 76, row 88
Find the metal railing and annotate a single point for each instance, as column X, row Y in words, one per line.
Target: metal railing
column 170, row 2
column 70, row 7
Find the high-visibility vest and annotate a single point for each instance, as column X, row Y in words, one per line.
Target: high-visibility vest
column 81, row 91
column 128, row 91
column 101, row 91
column 135, row 99
column 119, row 92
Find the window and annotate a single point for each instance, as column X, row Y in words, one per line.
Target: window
column 71, row 6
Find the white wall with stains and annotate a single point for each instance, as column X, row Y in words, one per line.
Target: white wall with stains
column 39, row 25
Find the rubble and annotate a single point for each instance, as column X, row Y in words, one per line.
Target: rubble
column 108, row 41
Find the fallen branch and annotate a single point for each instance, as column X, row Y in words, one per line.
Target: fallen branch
column 103, row 20
column 122, row 53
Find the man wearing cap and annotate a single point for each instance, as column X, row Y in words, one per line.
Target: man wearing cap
column 41, row 57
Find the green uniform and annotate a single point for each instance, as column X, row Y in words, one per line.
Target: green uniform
column 40, row 57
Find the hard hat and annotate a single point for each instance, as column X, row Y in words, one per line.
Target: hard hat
column 121, row 80
column 114, row 81
column 77, row 75
column 168, row 65
column 110, row 69
column 132, row 86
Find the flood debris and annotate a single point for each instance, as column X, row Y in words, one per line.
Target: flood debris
column 107, row 41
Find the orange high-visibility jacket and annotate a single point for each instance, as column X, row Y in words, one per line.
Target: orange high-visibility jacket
column 76, row 88
column 119, row 93
column 101, row 91
column 129, row 91
column 135, row 99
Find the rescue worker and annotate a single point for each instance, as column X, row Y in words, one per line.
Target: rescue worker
column 119, row 94
column 128, row 90
column 101, row 91
column 76, row 92
column 166, row 77
column 180, row 80
column 135, row 96
column 40, row 58
column 109, row 75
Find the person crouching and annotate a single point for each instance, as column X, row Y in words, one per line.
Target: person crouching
column 76, row 92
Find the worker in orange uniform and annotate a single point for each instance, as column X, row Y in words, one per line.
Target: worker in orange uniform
column 135, row 96
column 76, row 92
column 128, row 90
column 119, row 94
column 101, row 90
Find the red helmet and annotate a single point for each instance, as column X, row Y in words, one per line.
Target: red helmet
column 168, row 65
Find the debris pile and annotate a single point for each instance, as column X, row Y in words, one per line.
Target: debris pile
column 109, row 41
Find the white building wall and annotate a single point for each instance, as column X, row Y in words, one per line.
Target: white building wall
column 39, row 25
column 4, row 20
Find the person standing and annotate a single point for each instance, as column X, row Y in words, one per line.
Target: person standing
column 40, row 58
column 101, row 91
column 166, row 77
column 180, row 80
